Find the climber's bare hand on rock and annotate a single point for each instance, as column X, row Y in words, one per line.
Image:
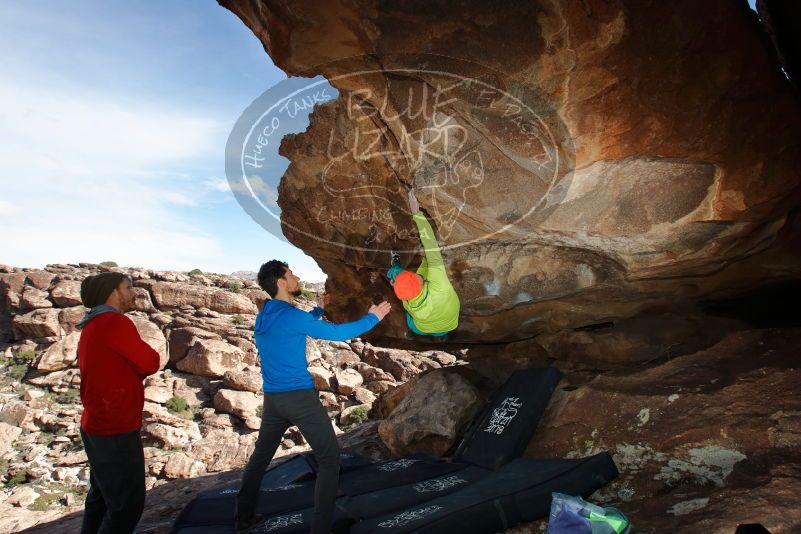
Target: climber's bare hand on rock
column 380, row 310
column 413, row 204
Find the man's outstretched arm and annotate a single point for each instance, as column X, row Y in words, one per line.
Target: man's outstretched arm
column 307, row 324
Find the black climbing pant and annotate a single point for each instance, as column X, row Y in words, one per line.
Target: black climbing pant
column 116, row 495
column 282, row 410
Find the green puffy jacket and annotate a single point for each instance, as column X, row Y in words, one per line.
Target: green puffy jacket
column 436, row 308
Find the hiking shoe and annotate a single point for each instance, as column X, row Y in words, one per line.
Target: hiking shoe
column 246, row 525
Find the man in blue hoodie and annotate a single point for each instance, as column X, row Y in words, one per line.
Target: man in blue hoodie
column 289, row 394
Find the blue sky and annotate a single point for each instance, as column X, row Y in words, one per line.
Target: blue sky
column 113, row 121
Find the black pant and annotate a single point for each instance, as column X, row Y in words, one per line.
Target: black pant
column 116, row 496
column 282, row 410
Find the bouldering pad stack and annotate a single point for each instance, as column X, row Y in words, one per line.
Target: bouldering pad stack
column 485, row 487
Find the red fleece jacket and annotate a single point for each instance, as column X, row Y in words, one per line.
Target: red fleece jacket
column 114, row 361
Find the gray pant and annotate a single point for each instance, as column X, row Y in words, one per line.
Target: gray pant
column 282, row 410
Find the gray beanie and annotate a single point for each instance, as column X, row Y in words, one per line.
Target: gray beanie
column 96, row 289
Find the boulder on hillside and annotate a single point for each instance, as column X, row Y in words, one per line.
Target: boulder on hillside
column 245, row 379
column 41, row 323
column 33, row 299
column 182, row 339
column 61, row 354
column 153, row 336
column 66, row 293
column 211, row 357
column 433, row 416
column 177, row 294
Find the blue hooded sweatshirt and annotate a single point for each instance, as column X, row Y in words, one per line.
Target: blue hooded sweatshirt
column 280, row 334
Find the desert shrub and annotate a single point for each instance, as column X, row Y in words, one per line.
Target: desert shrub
column 20, row 477
column 25, row 356
column 43, row 502
column 359, row 415
column 308, row 295
column 178, row 406
column 69, row 396
column 17, row 372
column 233, row 287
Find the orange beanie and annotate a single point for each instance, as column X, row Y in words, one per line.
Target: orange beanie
column 407, row 285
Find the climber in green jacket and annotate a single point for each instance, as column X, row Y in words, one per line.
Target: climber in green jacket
column 431, row 303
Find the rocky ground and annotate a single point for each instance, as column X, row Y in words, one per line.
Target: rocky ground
column 201, row 409
column 706, row 435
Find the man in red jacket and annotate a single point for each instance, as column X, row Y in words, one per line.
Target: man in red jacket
column 113, row 360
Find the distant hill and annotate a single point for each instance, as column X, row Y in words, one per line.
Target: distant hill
column 317, row 287
column 247, row 275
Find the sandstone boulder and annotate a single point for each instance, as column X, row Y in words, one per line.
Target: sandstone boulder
column 211, row 357
column 41, row 323
column 364, row 396
column 329, row 401
column 433, row 416
column 66, row 293
column 371, row 374
column 158, row 394
column 171, row 437
column 399, row 363
column 58, row 380
column 194, row 389
column 61, row 354
column 389, row 399
column 242, row 404
column 8, row 434
column 182, row 339
column 182, row 465
column 33, row 299
column 69, row 317
column 378, row 387
column 153, row 336
column 40, row 279
column 142, row 301
column 323, row 378
column 246, row 379
column 312, row 350
column 175, row 295
column 221, row 449
column 23, row 496
column 11, row 285
column 348, row 380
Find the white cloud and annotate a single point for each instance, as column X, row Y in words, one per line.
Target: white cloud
column 7, row 208
column 179, row 199
column 88, row 178
column 217, row 184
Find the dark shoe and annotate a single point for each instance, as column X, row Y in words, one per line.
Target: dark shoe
column 246, row 525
